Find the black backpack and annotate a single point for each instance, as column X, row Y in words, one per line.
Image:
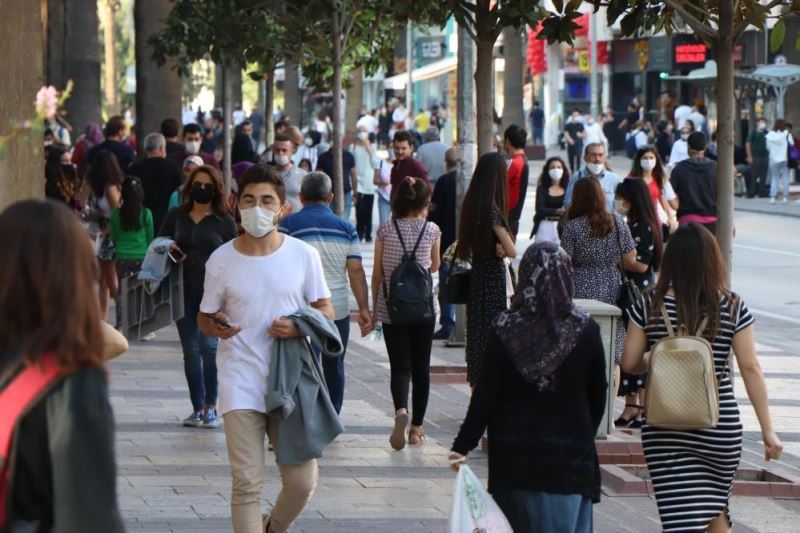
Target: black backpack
column 410, row 298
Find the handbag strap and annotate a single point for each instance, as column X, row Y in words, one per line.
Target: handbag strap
column 671, row 331
column 619, row 247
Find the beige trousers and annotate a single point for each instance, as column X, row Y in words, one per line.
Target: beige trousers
column 244, row 434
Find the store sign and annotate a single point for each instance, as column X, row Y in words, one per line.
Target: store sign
column 690, row 53
column 430, row 49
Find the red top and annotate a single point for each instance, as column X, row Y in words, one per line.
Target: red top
column 402, row 168
column 514, row 179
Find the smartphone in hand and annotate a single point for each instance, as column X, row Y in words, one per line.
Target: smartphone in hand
column 215, row 319
column 176, row 255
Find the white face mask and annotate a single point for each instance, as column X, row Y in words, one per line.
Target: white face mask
column 648, row 164
column 555, row 173
column 762, row 126
column 257, row 221
column 193, row 147
column 684, row 136
column 595, row 168
column 308, row 141
column 362, row 135
column 282, row 160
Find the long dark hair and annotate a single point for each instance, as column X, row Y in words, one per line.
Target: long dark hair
column 103, row 172
column 48, row 289
column 545, row 179
column 634, row 191
column 694, row 269
column 130, row 213
column 658, row 172
column 219, row 204
column 412, row 195
column 487, row 192
column 589, row 201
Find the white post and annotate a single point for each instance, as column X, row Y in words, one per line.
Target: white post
column 594, row 82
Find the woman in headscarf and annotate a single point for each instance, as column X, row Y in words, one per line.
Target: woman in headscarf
column 242, row 149
column 91, row 136
column 542, row 396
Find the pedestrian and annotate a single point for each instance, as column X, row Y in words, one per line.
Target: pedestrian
column 384, row 125
column 663, row 139
column 305, row 164
column 431, row 154
column 680, row 148
column 408, row 345
column 778, row 142
column 200, row 225
column 92, row 136
column 484, row 239
column 596, row 167
column 61, row 179
column 189, row 164
column 105, row 178
column 681, row 114
column 648, row 167
column 635, row 204
column 573, row 136
column 758, row 159
column 694, row 181
column 516, row 175
column 192, row 141
column 594, row 132
column 114, row 132
column 62, row 457
column 550, row 191
column 637, row 137
column 383, row 184
column 404, row 164
column 400, row 117
column 309, row 149
column 693, row 471
column 542, row 396
column 536, row 118
column 443, row 214
column 170, row 129
column 242, row 149
column 131, row 229
column 337, row 242
column 282, row 151
column 366, row 159
column 349, row 176
column 597, row 241
column 160, row 177
column 249, row 316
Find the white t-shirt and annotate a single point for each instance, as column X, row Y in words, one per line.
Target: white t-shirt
column 680, row 152
column 681, row 114
column 697, row 119
column 369, row 122
column 594, row 134
column 669, row 195
column 253, row 292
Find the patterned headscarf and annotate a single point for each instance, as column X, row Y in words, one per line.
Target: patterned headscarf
column 543, row 325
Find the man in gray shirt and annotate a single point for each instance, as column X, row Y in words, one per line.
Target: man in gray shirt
column 431, row 154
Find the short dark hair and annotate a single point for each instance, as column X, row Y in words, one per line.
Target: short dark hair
column 403, row 135
column 282, row 138
column 192, row 128
column 410, row 198
column 696, row 141
column 262, row 174
column 170, row 127
column 281, row 124
column 516, row 135
column 114, row 126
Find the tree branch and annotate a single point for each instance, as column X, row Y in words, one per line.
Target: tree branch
column 691, row 20
column 702, row 11
column 740, row 28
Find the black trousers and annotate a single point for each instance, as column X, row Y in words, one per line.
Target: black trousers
column 409, row 350
column 757, row 177
column 364, row 215
column 574, row 155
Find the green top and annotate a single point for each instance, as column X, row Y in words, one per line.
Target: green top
column 174, row 200
column 131, row 244
column 758, row 143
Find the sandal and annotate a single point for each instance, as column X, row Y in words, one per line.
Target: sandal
column 623, row 422
column 398, row 437
column 416, row 436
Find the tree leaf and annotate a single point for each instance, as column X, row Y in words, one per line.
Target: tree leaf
column 777, row 37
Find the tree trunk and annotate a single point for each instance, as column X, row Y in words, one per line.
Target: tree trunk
column 269, row 106
column 23, row 41
column 236, row 87
column 483, row 94
column 110, row 57
column 291, row 93
column 725, row 126
column 219, row 82
column 229, row 73
column 82, row 63
column 355, row 100
column 158, row 90
column 513, row 111
column 56, row 29
column 338, row 179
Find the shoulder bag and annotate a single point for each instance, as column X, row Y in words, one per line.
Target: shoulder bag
column 454, row 289
column 630, row 292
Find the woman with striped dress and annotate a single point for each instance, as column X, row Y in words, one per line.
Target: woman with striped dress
column 692, row 471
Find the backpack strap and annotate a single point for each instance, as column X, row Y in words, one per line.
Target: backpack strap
column 667, row 321
column 419, row 238
column 400, row 236
column 17, row 398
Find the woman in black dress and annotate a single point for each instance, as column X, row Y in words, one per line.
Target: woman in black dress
column 633, row 201
column 550, row 200
column 484, row 240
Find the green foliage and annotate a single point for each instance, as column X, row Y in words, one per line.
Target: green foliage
column 777, row 36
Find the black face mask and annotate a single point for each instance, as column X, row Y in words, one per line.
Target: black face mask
column 202, row 194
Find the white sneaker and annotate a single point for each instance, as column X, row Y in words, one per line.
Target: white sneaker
column 784, row 200
column 772, row 200
column 149, row 337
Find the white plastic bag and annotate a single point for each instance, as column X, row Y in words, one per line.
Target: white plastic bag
column 473, row 509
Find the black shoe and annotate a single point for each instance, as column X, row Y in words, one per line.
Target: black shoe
column 441, row 335
column 623, row 422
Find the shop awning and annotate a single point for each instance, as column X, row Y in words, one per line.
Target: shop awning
column 779, row 77
column 431, row 70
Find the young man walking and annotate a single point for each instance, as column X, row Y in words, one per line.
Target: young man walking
column 252, row 283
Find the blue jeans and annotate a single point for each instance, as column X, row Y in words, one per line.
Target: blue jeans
column 333, row 367
column 447, row 315
column 348, row 205
column 538, row 135
column 384, row 209
column 544, row 512
column 780, row 175
column 199, row 352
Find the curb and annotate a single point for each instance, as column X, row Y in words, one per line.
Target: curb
column 766, row 211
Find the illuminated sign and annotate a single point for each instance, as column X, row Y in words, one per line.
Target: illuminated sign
column 690, row 53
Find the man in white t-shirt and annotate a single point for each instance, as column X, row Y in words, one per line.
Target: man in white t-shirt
column 252, row 283
column 682, row 112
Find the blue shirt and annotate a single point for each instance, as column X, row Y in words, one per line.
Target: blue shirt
column 608, row 181
column 336, row 241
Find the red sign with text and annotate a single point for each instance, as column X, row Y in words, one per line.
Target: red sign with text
column 690, row 53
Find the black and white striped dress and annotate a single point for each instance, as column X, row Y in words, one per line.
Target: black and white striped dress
column 692, row 471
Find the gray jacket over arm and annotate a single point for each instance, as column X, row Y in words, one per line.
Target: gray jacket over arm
column 297, row 396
